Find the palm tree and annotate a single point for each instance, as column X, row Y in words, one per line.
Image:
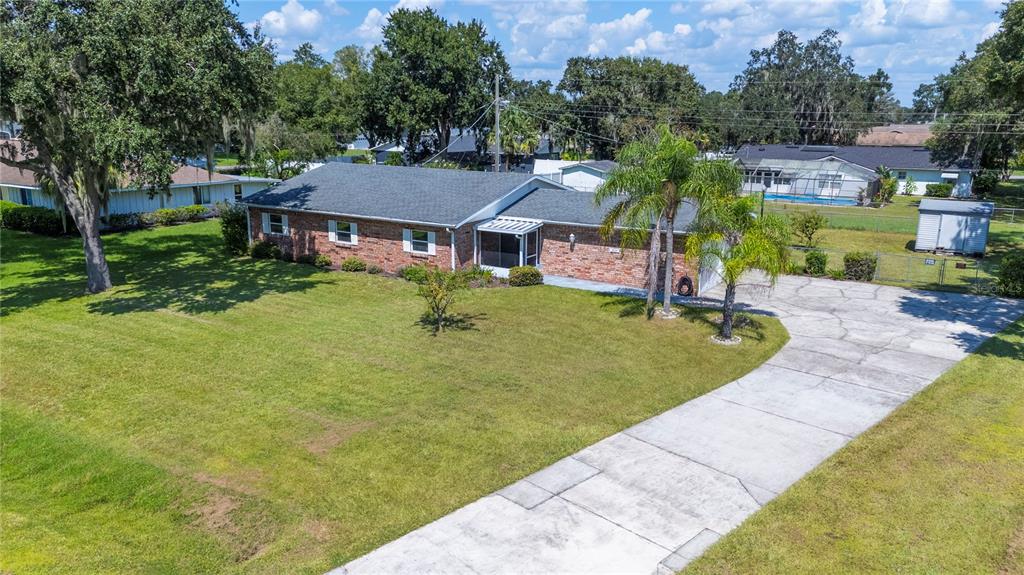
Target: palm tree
column 520, row 135
column 729, row 232
column 653, row 179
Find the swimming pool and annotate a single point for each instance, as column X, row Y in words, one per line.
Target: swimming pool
column 811, row 200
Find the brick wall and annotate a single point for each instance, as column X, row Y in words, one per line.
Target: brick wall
column 380, row 242
column 595, row 259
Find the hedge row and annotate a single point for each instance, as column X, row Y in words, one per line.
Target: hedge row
column 33, row 219
column 48, row 222
column 938, row 190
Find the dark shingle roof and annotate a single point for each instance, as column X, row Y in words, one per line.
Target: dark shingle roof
column 871, row 157
column 573, row 207
column 425, row 195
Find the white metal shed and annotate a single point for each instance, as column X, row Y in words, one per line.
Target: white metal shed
column 953, row 226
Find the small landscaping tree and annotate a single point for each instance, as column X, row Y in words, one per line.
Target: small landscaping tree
column 887, row 185
column 233, row 228
column 806, row 225
column 439, row 290
column 815, row 263
column 728, row 232
column 910, row 186
column 860, row 266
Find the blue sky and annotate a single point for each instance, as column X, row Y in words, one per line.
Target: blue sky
column 911, row 39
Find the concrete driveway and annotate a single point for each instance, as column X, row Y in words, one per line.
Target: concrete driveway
column 653, row 497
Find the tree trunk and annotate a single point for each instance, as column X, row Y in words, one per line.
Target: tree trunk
column 652, row 272
column 727, row 310
column 666, row 309
column 84, row 210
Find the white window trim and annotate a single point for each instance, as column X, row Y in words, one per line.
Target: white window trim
column 332, row 232
column 265, row 217
column 431, row 242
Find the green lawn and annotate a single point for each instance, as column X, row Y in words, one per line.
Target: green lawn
column 229, row 415
column 937, row 487
column 225, row 159
column 891, row 232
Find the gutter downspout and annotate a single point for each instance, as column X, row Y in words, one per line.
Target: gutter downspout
column 248, row 224
column 451, row 236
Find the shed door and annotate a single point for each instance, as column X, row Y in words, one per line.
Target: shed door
column 952, row 233
column 977, row 235
column 927, row 231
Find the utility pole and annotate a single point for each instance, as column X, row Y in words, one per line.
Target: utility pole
column 497, row 125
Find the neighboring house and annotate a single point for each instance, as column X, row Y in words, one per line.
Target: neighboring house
column 398, row 216
column 904, row 161
column 189, row 185
column 896, row 135
column 462, row 146
column 584, row 176
column 827, row 179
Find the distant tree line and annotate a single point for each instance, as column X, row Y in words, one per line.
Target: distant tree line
column 979, row 104
column 430, row 79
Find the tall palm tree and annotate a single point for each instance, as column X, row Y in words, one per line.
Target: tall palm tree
column 654, row 177
column 728, row 232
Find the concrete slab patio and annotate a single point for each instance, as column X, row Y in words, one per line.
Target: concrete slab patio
column 651, row 498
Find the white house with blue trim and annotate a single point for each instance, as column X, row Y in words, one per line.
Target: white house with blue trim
column 190, row 185
column 904, row 161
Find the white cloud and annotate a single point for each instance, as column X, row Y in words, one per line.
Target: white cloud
column 566, row 27
column 372, row 24
column 334, row 8
column 418, row 4
column 988, row 31
column 682, row 29
column 543, row 32
column 292, row 18
column 871, row 15
column 628, row 23
column 925, row 13
column 722, row 7
column 370, row 29
column 638, row 47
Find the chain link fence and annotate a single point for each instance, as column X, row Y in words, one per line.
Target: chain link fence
column 1008, row 215
column 923, row 271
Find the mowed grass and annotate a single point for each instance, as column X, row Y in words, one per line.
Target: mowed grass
column 212, row 414
column 937, row 487
column 891, row 232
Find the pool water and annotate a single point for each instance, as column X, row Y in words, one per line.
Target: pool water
column 811, row 200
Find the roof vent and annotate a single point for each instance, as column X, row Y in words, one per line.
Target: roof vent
column 819, row 148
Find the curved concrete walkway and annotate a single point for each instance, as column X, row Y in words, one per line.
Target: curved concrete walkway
column 653, row 497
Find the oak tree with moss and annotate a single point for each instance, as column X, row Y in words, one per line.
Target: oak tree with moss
column 107, row 90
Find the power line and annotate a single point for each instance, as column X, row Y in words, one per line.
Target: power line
column 464, row 132
column 611, row 107
column 781, row 123
column 554, row 123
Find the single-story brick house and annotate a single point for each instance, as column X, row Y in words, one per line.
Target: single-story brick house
column 395, row 216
